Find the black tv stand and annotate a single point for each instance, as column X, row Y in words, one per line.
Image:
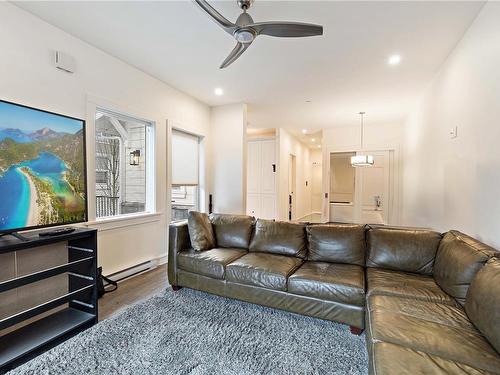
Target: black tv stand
column 56, row 232
column 16, row 235
column 52, row 320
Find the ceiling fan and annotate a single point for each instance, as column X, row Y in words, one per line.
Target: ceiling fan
column 245, row 30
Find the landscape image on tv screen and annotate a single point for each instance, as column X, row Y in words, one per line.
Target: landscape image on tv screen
column 42, row 168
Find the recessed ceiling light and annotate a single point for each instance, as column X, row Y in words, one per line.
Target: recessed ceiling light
column 304, row 131
column 319, row 146
column 218, row 91
column 394, row 60
column 313, row 140
column 308, row 101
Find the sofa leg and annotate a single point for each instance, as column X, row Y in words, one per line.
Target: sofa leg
column 175, row 288
column 355, row 330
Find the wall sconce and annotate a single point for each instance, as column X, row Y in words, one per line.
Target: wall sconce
column 135, row 157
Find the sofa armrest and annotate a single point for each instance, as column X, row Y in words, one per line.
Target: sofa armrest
column 178, row 240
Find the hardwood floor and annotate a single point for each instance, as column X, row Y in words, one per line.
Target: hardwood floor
column 133, row 290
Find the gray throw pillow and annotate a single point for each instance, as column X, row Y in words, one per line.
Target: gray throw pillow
column 201, row 232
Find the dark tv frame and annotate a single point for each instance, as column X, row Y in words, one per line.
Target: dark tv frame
column 4, row 232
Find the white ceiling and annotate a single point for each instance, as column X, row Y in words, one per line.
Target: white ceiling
column 343, row 72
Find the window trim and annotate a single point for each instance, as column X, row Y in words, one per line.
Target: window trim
column 125, row 220
column 150, row 209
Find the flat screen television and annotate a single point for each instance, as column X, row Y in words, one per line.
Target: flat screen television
column 42, row 169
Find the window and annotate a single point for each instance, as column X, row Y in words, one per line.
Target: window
column 101, row 177
column 185, row 173
column 124, row 180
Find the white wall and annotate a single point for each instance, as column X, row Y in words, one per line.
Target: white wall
column 454, row 183
column 228, row 153
column 289, row 145
column 28, row 76
column 347, row 137
column 315, row 159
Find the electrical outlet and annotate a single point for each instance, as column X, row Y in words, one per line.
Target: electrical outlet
column 454, row 132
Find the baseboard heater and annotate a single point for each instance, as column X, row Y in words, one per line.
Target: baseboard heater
column 133, row 271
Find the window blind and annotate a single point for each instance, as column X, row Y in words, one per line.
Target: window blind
column 185, row 158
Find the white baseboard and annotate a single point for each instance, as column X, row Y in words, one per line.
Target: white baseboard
column 137, row 269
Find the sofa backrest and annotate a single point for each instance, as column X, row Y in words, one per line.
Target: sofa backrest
column 402, row 249
column 232, row 230
column 279, row 237
column 482, row 303
column 337, row 243
column 458, row 259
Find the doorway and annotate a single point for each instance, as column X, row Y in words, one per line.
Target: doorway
column 292, row 185
column 362, row 194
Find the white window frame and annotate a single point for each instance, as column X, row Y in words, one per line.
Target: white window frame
column 150, row 166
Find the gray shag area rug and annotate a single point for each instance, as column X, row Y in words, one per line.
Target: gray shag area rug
column 191, row 332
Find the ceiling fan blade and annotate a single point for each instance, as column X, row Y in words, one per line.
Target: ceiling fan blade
column 287, row 29
column 235, row 53
column 222, row 21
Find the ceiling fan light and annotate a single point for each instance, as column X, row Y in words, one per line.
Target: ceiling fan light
column 244, row 36
column 362, row 160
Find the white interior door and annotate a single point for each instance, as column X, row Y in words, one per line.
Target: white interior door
column 261, row 179
column 268, row 179
column 268, row 168
column 372, row 195
column 253, row 178
column 254, row 167
column 254, row 204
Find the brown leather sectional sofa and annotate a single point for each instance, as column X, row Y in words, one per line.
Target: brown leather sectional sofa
column 430, row 303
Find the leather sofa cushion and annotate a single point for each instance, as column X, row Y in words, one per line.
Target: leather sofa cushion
column 200, row 231
column 404, row 284
column 431, row 329
column 232, row 230
column 458, row 259
column 450, row 315
column 264, row 270
column 391, row 359
column 483, row 302
column 279, row 237
column 329, row 281
column 211, row 263
column 400, row 249
column 337, row 243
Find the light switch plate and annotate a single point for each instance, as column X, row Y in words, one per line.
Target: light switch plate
column 454, row 132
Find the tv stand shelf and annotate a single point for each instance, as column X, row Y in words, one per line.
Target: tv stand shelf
column 34, row 336
column 79, row 304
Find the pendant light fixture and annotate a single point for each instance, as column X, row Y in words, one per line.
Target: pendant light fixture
column 362, row 160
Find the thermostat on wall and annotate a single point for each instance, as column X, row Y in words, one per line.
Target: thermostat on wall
column 64, row 62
